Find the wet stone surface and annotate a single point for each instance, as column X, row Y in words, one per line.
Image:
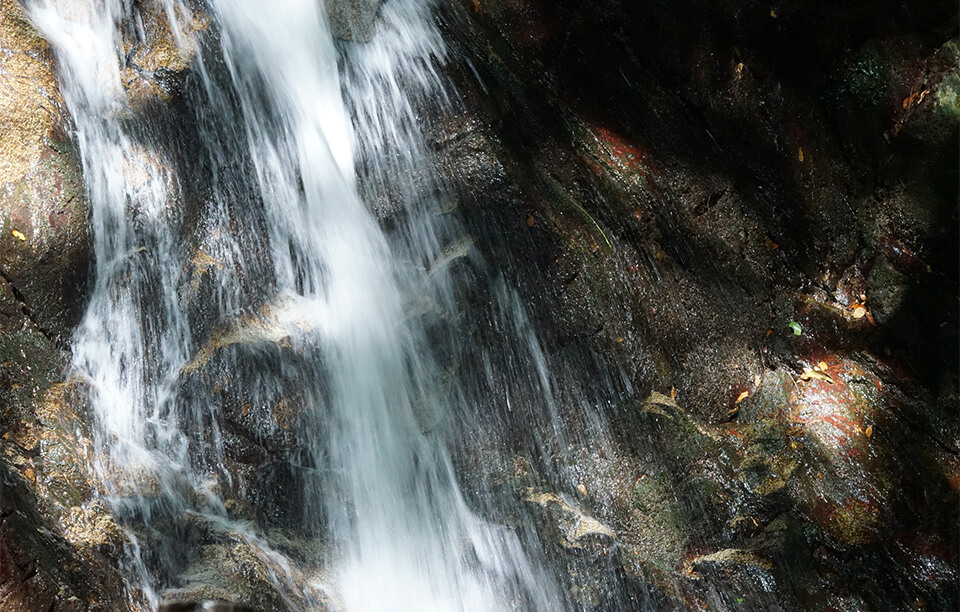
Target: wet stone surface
column 736, row 236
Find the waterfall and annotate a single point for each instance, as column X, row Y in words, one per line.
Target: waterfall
column 282, row 115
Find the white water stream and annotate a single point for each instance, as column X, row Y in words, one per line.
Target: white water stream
column 381, row 483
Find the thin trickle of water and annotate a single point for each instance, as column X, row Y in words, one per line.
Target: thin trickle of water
column 283, row 115
column 133, row 338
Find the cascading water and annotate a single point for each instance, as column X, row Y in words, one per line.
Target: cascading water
column 279, row 127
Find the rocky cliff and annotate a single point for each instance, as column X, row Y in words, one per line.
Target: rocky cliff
column 734, row 226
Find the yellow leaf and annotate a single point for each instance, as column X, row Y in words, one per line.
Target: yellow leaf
column 811, row 374
column 673, row 393
column 773, row 13
column 18, row 235
column 582, row 488
column 859, row 312
column 800, row 154
column 756, row 380
column 822, row 366
column 869, row 430
column 743, row 396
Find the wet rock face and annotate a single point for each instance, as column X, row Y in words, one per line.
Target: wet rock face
column 683, row 176
column 749, row 217
column 44, row 245
column 159, row 53
column 745, row 212
column 39, row 569
column 50, row 553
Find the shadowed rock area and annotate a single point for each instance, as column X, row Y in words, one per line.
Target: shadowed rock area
column 745, row 215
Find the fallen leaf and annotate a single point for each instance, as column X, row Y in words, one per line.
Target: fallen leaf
column 800, row 154
column 476, row 7
column 809, row 374
column 582, row 488
column 769, row 331
column 530, row 221
column 773, row 13
column 18, row 235
column 638, row 214
column 870, row 319
column 673, row 393
column 868, row 431
column 914, row 98
column 756, row 378
column 743, row 396
column 739, row 71
column 823, row 366
column 797, row 330
column 859, row 311
column 770, row 243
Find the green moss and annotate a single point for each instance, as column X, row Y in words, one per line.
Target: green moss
column 649, row 494
column 948, row 98
column 865, row 79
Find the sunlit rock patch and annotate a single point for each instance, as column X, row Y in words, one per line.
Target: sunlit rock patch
column 840, row 414
column 44, row 245
column 160, row 50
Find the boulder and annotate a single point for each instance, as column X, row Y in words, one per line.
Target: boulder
column 45, row 248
